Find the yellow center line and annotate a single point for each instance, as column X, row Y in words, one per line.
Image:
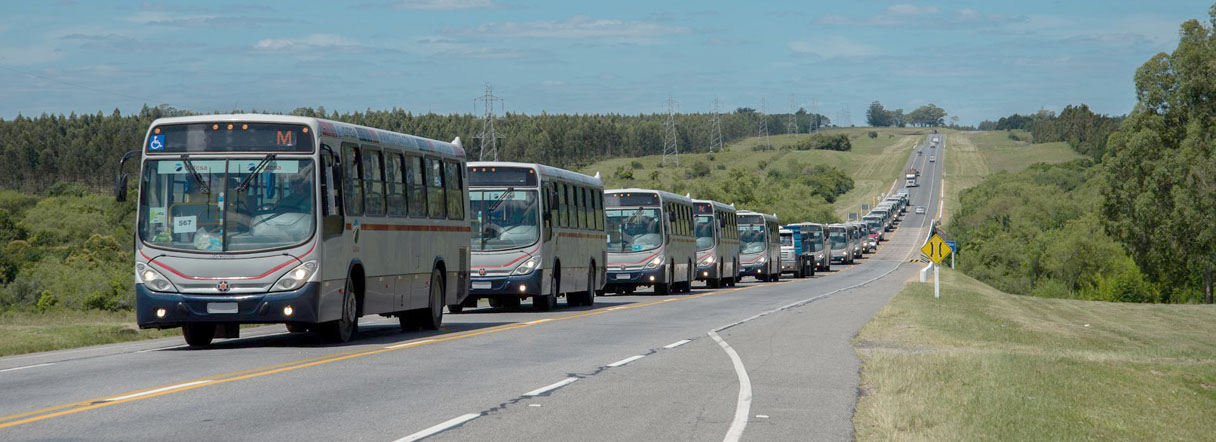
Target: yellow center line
column 76, row 407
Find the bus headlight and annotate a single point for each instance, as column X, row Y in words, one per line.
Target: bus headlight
column 762, row 260
column 709, row 260
column 654, row 263
column 152, row 279
column 528, row 266
column 295, row 278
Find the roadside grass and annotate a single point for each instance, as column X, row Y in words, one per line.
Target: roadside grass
column 28, row 332
column 979, row 364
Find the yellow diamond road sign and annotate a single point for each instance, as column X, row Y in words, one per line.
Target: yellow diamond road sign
column 936, row 249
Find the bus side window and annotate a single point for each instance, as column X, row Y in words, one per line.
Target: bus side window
column 329, row 199
column 434, row 184
column 396, row 188
column 455, row 189
column 352, row 187
column 580, row 196
column 561, row 205
column 548, row 220
column 415, row 184
column 373, row 183
column 597, row 204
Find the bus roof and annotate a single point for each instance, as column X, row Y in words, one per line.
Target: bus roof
column 543, row 170
column 717, row 205
column 663, row 195
column 767, row 216
column 330, row 128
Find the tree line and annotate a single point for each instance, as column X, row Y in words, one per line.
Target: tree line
column 83, row 149
column 928, row 115
column 1085, row 131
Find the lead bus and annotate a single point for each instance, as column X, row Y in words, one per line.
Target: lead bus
column 717, row 243
column 538, row 232
column 761, row 245
column 312, row 223
column 651, row 240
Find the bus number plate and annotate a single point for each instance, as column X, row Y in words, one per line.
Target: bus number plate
column 221, row 307
column 621, row 276
column 481, row 285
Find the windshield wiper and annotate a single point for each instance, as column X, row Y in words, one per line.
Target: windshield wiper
column 485, row 229
column 501, row 198
column 256, row 170
column 194, row 173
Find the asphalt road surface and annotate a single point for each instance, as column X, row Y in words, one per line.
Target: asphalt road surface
column 759, row 362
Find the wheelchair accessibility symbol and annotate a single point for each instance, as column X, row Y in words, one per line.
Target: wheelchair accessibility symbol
column 157, row 142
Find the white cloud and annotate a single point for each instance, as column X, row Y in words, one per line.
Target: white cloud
column 833, row 47
column 314, row 41
column 911, row 10
column 577, row 27
column 444, row 5
column 443, row 47
column 906, row 14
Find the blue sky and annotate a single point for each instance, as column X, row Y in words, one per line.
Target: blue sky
column 977, row 59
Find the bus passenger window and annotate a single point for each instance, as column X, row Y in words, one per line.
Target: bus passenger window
column 580, row 196
column 455, row 189
column 434, row 184
column 373, row 184
column 561, row 205
column 352, row 186
column 415, row 184
column 396, row 187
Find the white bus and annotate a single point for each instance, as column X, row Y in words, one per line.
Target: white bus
column 651, row 240
column 717, row 243
column 538, row 232
column 307, row 222
column 761, row 245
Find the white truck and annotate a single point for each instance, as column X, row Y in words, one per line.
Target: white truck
column 910, row 176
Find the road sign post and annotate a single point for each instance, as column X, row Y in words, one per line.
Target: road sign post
column 936, row 250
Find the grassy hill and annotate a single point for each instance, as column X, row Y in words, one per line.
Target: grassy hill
column 972, row 156
column 873, row 164
column 979, row 364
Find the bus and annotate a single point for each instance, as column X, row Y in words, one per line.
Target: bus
column 760, row 245
column 651, row 240
column 841, row 243
column 538, row 232
column 311, row 223
column 717, row 243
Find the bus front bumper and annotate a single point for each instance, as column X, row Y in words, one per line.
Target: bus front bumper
column 752, row 269
column 636, row 278
column 181, row 308
column 707, row 272
column 506, row 286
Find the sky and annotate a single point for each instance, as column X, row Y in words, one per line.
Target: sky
column 976, row 59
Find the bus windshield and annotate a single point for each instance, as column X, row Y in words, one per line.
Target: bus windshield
column 705, row 232
column 633, row 230
column 787, row 239
column 227, row 205
column 838, row 238
column 504, row 219
column 751, row 238
column 816, row 238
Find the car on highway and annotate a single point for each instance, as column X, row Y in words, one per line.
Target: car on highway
column 920, row 210
column 932, row 158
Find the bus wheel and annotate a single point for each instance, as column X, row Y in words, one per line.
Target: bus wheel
column 544, row 303
column 198, row 335
column 431, row 318
column 345, row 327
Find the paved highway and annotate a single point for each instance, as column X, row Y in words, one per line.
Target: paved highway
column 761, row 361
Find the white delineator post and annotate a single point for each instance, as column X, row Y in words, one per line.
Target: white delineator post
column 937, row 282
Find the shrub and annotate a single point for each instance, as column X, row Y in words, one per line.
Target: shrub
column 637, row 165
column 697, row 170
column 721, row 166
column 623, row 174
column 872, row 134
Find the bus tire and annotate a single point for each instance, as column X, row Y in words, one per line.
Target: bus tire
column 198, row 334
column 346, row 326
column 665, row 288
column 431, row 318
column 544, row 303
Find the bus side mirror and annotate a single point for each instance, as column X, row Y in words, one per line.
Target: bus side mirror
column 120, row 188
column 120, row 181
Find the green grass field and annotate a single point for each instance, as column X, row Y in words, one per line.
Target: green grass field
column 31, row 332
column 975, row 155
column 979, row 364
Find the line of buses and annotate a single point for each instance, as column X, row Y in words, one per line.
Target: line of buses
column 313, row 223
